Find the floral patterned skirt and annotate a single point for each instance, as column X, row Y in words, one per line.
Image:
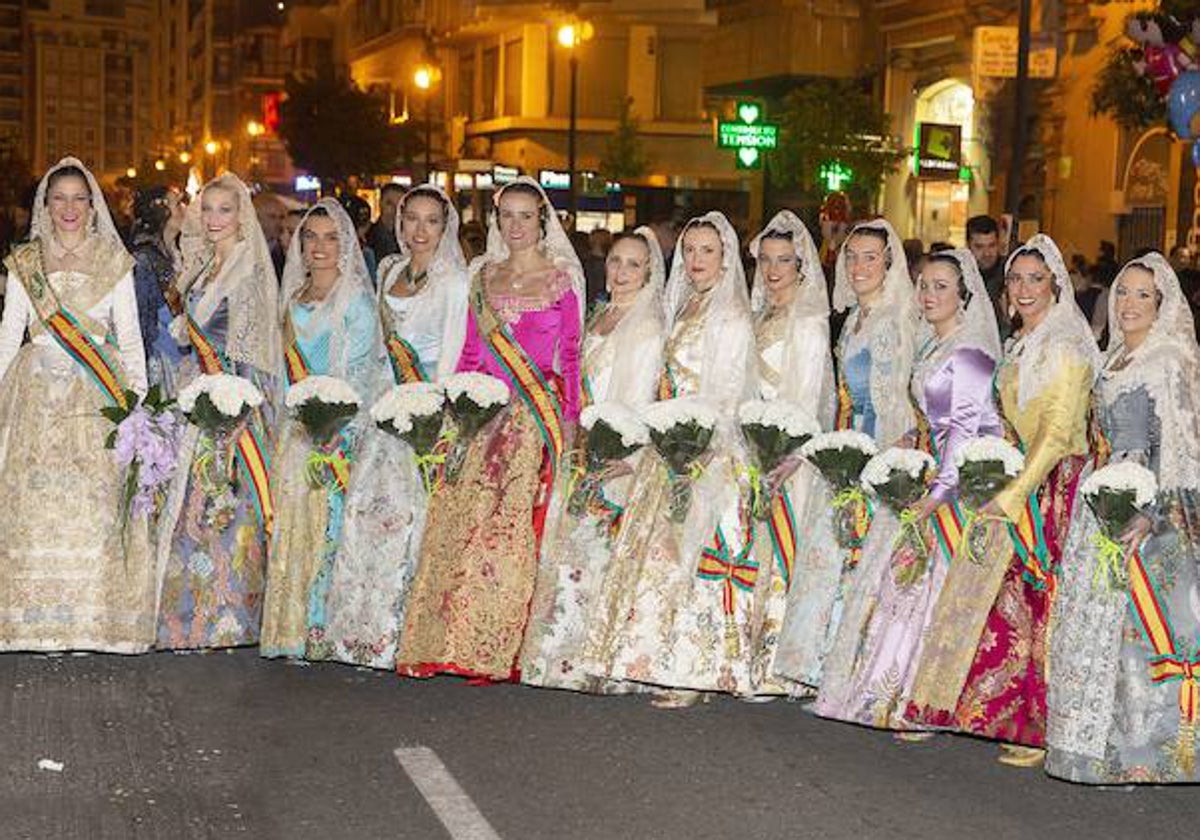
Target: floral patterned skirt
column 470, row 599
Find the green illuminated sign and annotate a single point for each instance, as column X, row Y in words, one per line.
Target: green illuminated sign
column 746, row 132
column 835, row 175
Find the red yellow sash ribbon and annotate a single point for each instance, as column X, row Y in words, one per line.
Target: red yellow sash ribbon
column 948, row 527
column 733, row 572
column 1029, row 540
column 782, row 528
column 533, row 389
column 845, row 408
column 63, row 326
column 667, row 389
column 251, row 456
column 1168, row 664
column 406, row 364
column 296, row 364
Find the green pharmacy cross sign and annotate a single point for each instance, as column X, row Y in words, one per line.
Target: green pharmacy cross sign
column 747, row 135
column 834, row 175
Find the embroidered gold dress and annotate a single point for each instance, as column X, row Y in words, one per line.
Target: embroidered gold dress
column 66, row 579
column 657, row 620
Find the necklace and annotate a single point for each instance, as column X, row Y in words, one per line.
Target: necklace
column 68, row 251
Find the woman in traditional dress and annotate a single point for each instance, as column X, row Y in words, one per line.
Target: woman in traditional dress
column 157, row 222
column 870, row 668
column 423, row 308
column 1123, row 640
column 213, row 536
column 790, row 302
column 622, row 357
column 470, row 599
column 330, row 329
column 874, row 358
column 658, row 620
column 74, row 573
column 983, row 666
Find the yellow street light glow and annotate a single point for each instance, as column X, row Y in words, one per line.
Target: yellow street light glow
column 185, row 157
column 131, row 172
column 423, row 77
column 255, row 129
column 160, row 164
column 212, row 147
column 571, row 35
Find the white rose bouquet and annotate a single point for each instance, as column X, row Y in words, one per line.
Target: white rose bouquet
column 614, row 433
column 899, row 478
column 1116, row 494
column 217, row 403
column 681, row 430
column 841, row 458
column 414, row 413
column 985, row 465
column 775, row 430
column 323, row 405
column 473, row 399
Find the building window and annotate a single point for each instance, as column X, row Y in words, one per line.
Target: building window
column 466, row 84
column 105, row 8
column 679, row 83
column 512, row 78
column 491, row 61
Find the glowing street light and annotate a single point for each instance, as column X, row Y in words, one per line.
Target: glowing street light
column 570, row 36
column 212, row 147
column 255, row 129
column 424, row 78
column 160, row 165
column 185, row 158
column 131, row 172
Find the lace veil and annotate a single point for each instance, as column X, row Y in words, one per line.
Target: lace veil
column 1064, row 329
column 353, row 283
column 808, row 315
column 100, row 221
column 643, row 319
column 246, row 279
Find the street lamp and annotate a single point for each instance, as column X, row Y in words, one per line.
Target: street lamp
column 570, row 36
column 424, row 78
column 185, row 158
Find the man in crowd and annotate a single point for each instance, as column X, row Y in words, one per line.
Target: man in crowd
column 983, row 240
column 272, row 212
column 382, row 235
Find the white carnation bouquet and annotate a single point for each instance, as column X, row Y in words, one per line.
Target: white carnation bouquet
column 323, row 405
column 681, row 430
column 899, row 478
column 985, row 466
column 217, row 403
column 841, row 458
column 473, row 399
column 775, row 429
column 1116, row 494
column 614, row 432
column 414, row 413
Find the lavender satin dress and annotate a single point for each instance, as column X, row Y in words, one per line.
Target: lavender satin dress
column 870, row 670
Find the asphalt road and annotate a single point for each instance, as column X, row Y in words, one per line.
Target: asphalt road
column 227, row 745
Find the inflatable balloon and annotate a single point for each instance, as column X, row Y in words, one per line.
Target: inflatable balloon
column 1183, row 104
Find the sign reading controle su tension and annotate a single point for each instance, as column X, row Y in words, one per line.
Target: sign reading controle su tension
column 748, row 135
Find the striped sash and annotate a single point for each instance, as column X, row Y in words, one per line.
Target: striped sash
column 1167, row 664
column 64, row 327
column 784, row 537
column 405, row 361
column 1029, row 540
column 733, row 573
column 526, row 377
column 295, row 364
column 948, row 525
column 252, row 459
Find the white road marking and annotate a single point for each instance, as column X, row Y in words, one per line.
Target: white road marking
column 448, row 800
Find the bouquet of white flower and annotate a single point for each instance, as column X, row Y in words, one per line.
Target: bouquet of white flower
column 1116, row 494
column 985, row 465
column 681, row 430
column 775, row 429
column 414, row 413
column 324, row 405
column 614, row 433
column 217, row 403
column 841, row 458
column 473, row 399
column 898, row 477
